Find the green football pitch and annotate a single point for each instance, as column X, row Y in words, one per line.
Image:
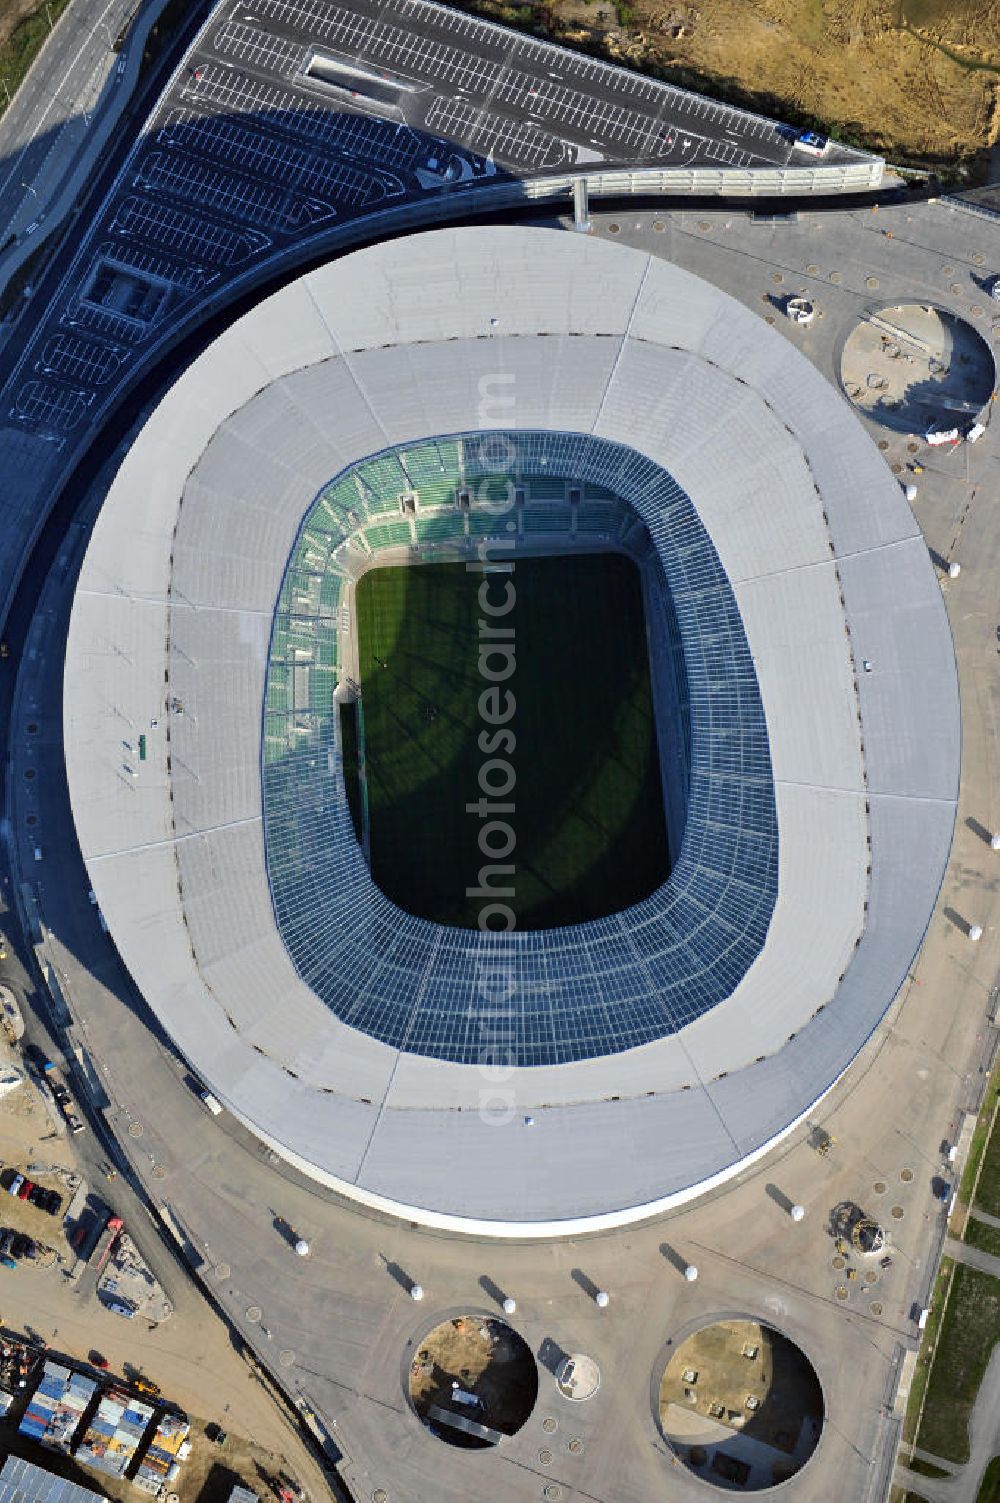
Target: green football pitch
column 588, row 823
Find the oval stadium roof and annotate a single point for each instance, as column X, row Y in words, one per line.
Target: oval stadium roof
column 616, row 354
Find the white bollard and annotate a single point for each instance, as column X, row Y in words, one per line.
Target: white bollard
column 797, row 1212
column 509, row 1305
column 416, row 1292
column 690, row 1273
column 602, row 1299
column 975, row 933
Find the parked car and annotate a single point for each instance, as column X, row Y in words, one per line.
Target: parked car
column 21, row 1246
column 974, row 432
column 74, row 1123
column 119, row 1307
column 14, row 1188
column 935, row 436
column 7, row 1262
column 812, row 142
column 25, row 1188
column 46, row 1200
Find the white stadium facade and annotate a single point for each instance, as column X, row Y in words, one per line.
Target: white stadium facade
column 802, row 661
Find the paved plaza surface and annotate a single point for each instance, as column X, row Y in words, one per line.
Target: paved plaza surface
column 339, row 1326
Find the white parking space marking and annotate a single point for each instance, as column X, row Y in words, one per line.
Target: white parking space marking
column 354, row 135
column 637, row 132
column 270, row 157
column 540, row 58
column 158, row 271
column 260, row 49
column 193, row 237
column 56, row 407
column 512, row 140
column 183, row 177
column 81, row 360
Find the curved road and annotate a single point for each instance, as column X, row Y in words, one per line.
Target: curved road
column 62, row 114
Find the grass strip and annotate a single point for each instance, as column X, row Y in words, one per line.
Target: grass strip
column 925, row 1357
column 969, row 1330
column 989, row 1488
column 925, row 1468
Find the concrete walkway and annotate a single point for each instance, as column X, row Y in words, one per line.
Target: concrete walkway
column 984, row 1216
column 963, row 1253
column 947, row 1466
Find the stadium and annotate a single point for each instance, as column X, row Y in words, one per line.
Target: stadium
column 737, row 718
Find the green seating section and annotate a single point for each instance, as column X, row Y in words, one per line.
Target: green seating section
column 444, row 527
column 388, row 534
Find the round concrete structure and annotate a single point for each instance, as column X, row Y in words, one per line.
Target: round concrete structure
column 533, row 331
column 741, row 1405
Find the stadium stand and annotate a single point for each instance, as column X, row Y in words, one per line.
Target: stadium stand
column 719, row 790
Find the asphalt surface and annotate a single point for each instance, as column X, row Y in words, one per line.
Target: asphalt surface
column 294, row 124
column 46, row 128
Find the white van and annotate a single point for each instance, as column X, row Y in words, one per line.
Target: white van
column 215, row 1107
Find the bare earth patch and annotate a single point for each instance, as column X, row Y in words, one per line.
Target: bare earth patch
column 12, row 11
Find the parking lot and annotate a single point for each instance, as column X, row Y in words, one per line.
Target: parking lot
column 293, row 118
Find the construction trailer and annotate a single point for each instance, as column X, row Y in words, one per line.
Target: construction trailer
column 168, row 1449
column 115, row 1433
column 57, row 1406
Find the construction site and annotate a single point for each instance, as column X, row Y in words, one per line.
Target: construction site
column 120, row 1436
